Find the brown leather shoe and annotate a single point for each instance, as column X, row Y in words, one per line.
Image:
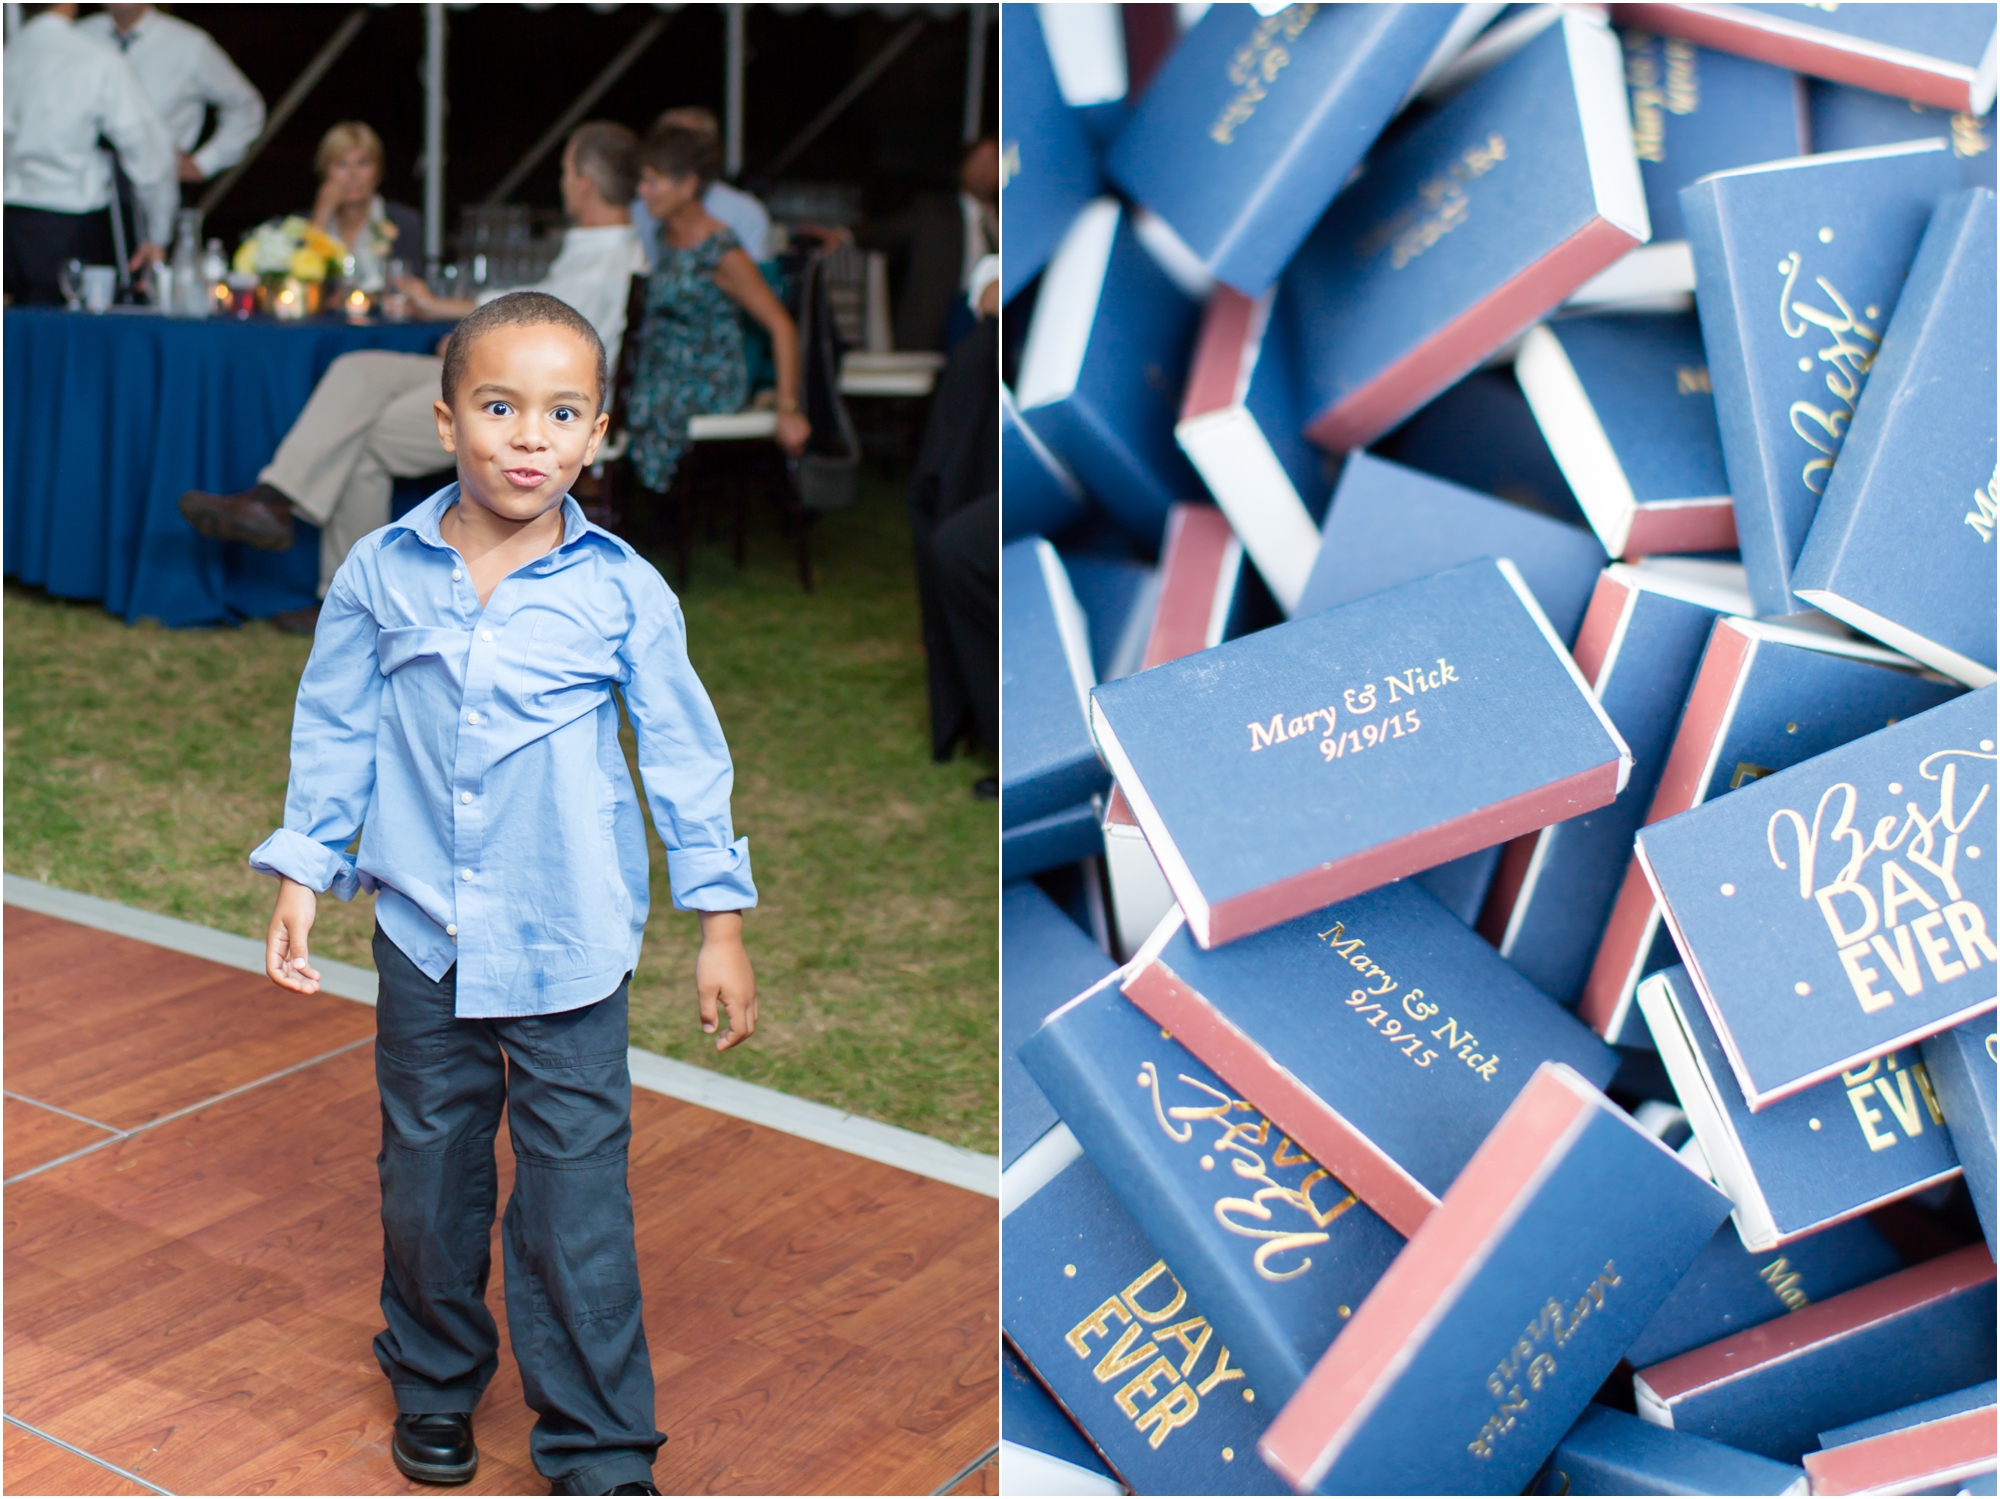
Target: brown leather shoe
column 297, row 621
column 260, row 517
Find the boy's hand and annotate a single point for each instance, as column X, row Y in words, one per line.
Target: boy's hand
column 285, row 960
column 722, row 977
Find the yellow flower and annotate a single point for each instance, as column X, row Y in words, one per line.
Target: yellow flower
column 295, row 226
column 308, row 266
column 246, row 256
column 323, row 244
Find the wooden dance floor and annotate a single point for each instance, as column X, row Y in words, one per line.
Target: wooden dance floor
column 192, row 1301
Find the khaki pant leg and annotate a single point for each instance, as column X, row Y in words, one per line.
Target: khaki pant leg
column 315, row 461
column 401, row 443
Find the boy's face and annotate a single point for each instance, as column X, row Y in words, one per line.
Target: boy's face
column 523, row 422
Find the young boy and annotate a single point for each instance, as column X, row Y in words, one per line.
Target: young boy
column 457, row 712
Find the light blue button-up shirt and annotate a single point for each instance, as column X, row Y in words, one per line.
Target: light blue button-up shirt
column 476, row 752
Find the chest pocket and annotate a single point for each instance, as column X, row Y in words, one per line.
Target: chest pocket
column 441, row 649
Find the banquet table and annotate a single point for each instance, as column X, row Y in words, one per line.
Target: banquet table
column 110, row 417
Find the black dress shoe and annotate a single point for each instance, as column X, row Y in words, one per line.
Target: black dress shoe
column 297, row 621
column 259, row 516
column 635, row 1488
column 435, row 1448
column 986, row 789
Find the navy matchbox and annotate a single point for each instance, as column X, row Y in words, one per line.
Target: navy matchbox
column 1275, row 1251
column 1842, row 908
column 1625, row 404
column 1771, row 1389
column 1764, row 697
column 1488, row 1336
column 1381, row 1034
column 1047, row 169
column 1041, row 1450
column 1930, row 1447
column 1200, row 603
column 1641, row 640
column 1902, row 545
column 1051, row 841
column 1045, row 961
column 1609, row 1452
column 1935, row 54
column 1241, row 425
column 1301, row 764
column 1257, row 120
column 1694, row 111
column 1087, row 49
column 1960, row 1062
column 1730, row 1288
column 1846, row 119
column 1100, row 372
column 1117, row 595
column 1118, row 1342
column 1388, row 524
column 1465, row 229
column 1038, row 495
column 1046, row 760
column 1822, row 1156
column 1798, row 266
column 1480, row 433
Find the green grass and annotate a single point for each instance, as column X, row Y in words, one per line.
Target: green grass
column 143, row 764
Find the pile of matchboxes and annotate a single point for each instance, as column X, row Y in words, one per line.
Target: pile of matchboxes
column 1498, row 749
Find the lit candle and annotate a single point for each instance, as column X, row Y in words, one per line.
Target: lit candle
column 357, row 303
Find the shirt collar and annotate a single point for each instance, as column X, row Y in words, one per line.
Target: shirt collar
column 139, row 27
column 422, row 522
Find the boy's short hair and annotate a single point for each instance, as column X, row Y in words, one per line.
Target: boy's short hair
column 519, row 309
column 608, row 154
column 676, row 151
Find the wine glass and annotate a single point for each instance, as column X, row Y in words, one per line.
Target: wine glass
column 69, row 281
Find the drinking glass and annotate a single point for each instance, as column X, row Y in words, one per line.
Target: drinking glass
column 69, row 280
column 395, row 305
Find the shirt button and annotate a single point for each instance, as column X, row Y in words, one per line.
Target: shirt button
column 451, row 931
column 485, row 634
column 456, row 575
column 465, row 796
column 472, row 718
column 465, row 874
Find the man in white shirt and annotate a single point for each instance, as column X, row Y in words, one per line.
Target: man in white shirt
column 62, row 92
column 746, row 217
column 183, row 71
column 370, row 419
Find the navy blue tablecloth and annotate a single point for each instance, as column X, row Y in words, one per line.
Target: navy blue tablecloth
column 109, row 418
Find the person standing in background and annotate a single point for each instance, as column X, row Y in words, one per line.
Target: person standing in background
column 183, row 72
column 62, row 93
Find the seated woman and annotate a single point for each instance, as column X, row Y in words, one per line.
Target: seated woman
column 351, row 209
column 689, row 355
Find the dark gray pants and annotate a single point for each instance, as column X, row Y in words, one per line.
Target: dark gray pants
column 573, row 1307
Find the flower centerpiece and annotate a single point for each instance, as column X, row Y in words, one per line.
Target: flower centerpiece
column 291, row 260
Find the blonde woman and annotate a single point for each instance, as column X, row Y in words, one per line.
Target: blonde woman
column 350, row 206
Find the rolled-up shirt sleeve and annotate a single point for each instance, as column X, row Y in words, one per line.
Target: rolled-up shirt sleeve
column 683, row 760
column 333, row 751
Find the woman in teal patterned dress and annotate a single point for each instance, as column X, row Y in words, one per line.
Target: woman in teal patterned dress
column 690, row 350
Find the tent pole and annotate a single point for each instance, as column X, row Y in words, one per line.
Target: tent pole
column 433, row 136
column 979, row 18
column 304, row 84
column 856, row 86
column 732, row 93
column 559, row 132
